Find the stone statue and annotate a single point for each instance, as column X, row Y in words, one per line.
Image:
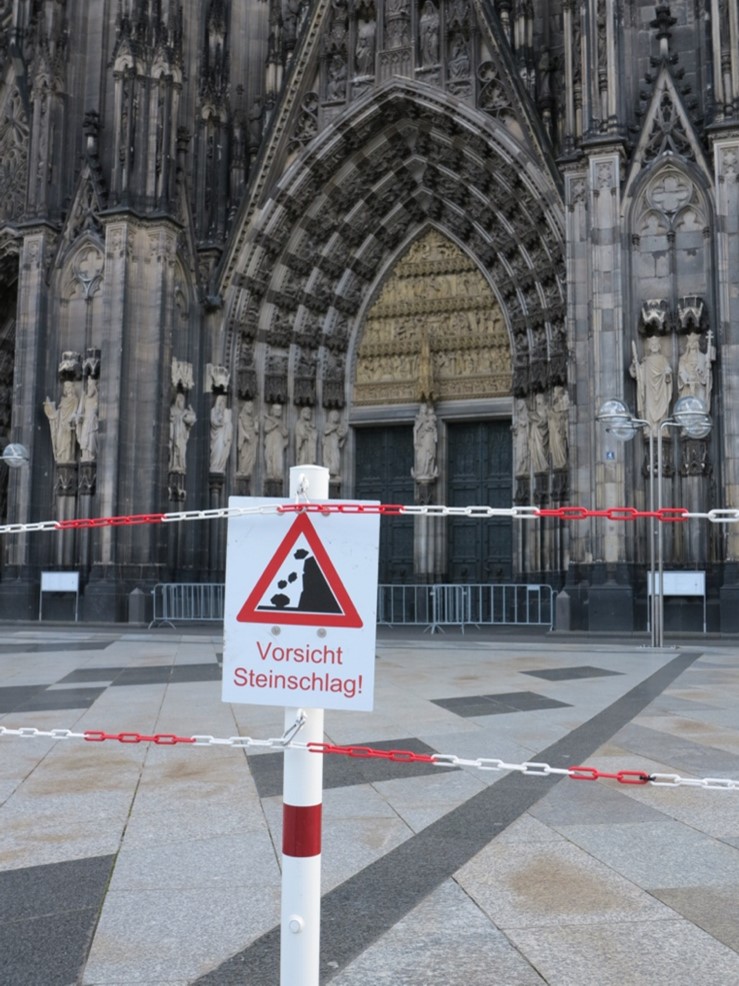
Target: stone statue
column 459, row 63
column 429, row 35
column 221, row 434
column 364, row 53
column 336, row 88
column 334, row 437
column 521, row 458
column 653, row 377
column 558, row 428
column 248, row 429
column 539, row 435
column 694, row 375
column 425, row 437
column 181, row 420
column 62, row 424
column 87, row 422
column 275, row 443
column 305, row 438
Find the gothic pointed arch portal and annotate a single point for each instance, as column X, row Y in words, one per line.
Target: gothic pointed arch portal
column 434, row 342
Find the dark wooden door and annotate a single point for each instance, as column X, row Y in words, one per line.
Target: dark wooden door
column 384, row 458
column 480, row 468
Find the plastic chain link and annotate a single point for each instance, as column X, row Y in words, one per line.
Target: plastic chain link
column 529, row 768
column 666, row 515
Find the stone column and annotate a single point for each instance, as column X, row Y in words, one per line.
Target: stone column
column 726, row 163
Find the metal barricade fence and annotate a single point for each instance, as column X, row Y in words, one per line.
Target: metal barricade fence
column 187, row 602
column 435, row 606
column 432, row 606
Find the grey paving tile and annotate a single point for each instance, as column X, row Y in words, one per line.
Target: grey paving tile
column 713, row 910
column 660, row 953
column 659, row 854
column 522, row 886
column 446, row 939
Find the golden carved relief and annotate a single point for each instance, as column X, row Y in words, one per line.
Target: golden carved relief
column 435, row 332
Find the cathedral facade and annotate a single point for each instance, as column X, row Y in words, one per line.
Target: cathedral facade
column 420, row 242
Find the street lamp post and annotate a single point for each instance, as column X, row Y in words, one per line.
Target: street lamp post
column 622, row 424
column 689, row 414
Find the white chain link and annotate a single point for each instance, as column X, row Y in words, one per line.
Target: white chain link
column 528, row 768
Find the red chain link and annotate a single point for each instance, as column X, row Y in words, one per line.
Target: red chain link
column 667, row 514
column 122, row 521
column 623, row 776
column 162, row 739
column 368, row 752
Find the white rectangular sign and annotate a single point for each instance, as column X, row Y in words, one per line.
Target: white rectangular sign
column 300, row 607
column 680, row 583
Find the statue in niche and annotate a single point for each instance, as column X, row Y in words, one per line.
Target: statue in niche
column 275, row 443
column 520, row 429
column 305, row 438
column 336, row 88
column 429, row 35
column 425, row 438
column 254, row 124
column 653, row 375
column 459, row 63
column 62, row 421
column 221, row 434
column 539, row 435
column 181, row 419
column 364, row 52
column 694, row 375
column 558, row 427
column 248, row 430
column 334, row 437
column 86, row 420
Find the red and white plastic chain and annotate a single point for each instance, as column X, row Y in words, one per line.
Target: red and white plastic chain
column 286, row 741
column 664, row 514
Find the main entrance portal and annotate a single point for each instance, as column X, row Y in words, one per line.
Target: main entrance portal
column 384, row 458
column 480, row 468
column 479, row 471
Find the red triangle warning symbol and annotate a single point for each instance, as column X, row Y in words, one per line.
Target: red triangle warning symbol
column 300, row 587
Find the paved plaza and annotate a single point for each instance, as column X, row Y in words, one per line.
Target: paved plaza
column 146, row 864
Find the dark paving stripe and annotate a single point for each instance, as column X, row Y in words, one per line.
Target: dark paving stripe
column 90, row 674
column 183, row 673
column 164, row 674
column 570, row 674
column 47, row 918
column 70, row 647
column 13, row 697
column 471, row 706
column 62, row 698
column 363, row 908
column 340, row 771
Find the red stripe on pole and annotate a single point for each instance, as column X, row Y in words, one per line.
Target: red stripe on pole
column 301, row 830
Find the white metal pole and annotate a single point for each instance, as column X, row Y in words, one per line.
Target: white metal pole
column 660, row 562
column 652, row 535
column 300, row 928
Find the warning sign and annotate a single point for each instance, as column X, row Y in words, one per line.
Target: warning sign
column 300, row 585
column 300, row 608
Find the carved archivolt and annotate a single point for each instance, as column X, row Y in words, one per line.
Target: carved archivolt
column 435, row 332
